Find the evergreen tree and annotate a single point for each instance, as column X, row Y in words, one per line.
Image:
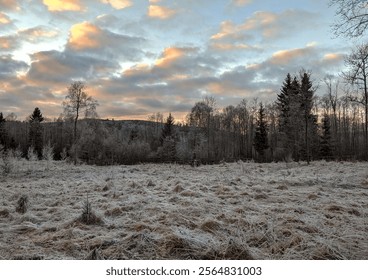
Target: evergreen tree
column 283, row 103
column 133, row 135
column 167, row 140
column 168, row 129
column 35, row 132
column 306, row 105
column 293, row 131
column 3, row 132
column 260, row 138
column 36, row 116
column 326, row 145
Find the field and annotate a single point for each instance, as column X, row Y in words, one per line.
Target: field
column 54, row 210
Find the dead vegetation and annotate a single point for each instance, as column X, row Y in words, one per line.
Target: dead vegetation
column 228, row 211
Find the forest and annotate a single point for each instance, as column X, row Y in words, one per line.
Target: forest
column 298, row 126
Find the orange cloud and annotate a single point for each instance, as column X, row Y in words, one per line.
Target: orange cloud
column 227, row 28
column 84, row 36
column 241, row 2
column 160, row 12
column 9, row 4
column 137, row 69
column 230, row 47
column 332, row 56
column 270, row 25
column 118, row 4
column 285, row 56
column 4, row 19
column 63, row 5
column 37, row 33
column 169, row 56
column 7, row 43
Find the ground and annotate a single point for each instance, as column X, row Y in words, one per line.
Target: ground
column 240, row 210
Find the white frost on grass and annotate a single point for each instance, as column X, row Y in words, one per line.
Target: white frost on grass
column 162, row 211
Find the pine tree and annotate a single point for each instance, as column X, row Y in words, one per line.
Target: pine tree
column 35, row 132
column 260, row 138
column 326, row 145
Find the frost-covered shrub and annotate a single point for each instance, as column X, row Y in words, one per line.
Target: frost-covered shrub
column 31, row 154
column 48, row 152
column 6, row 162
column 64, row 154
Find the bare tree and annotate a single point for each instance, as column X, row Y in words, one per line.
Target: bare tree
column 78, row 102
column 353, row 16
column 357, row 75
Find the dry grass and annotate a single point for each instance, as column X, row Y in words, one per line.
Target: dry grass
column 227, row 211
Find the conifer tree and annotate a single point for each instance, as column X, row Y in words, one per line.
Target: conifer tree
column 306, row 105
column 167, row 140
column 168, row 128
column 326, row 145
column 283, row 103
column 3, row 132
column 35, row 131
column 260, row 138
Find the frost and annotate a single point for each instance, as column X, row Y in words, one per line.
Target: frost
column 241, row 210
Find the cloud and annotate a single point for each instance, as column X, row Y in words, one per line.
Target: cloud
column 90, row 39
column 9, row 5
column 118, row 4
column 36, row 34
column 169, row 56
column 284, row 57
column 63, row 5
column 54, row 68
column 8, row 43
column 9, row 67
column 4, row 19
column 232, row 47
column 160, row 12
column 241, row 3
column 85, row 36
column 268, row 24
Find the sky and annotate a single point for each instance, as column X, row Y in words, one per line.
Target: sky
column 139, row 57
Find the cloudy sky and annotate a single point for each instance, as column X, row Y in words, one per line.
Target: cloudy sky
column 138, row 57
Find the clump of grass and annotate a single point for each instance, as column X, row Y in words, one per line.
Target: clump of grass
column 210, row 225
column 22, row 204
column 4, row 213
column 95, row 255
column 150, row 184
column 88, row 216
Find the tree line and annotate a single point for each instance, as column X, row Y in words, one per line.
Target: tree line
column 299, row 126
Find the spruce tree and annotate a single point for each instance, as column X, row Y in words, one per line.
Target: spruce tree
column 326, row 145
column 283, row 103
column 306, row 105
column 3, row 132
column 35, row 132
column 168, row 129
column 167, row 140
column 260, row 138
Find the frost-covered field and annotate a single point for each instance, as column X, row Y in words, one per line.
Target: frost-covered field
column 226, row 211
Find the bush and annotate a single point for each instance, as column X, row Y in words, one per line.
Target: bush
column 6, row 163
column 22, row 204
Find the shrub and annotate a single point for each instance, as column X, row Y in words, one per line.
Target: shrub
column 22, row 204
